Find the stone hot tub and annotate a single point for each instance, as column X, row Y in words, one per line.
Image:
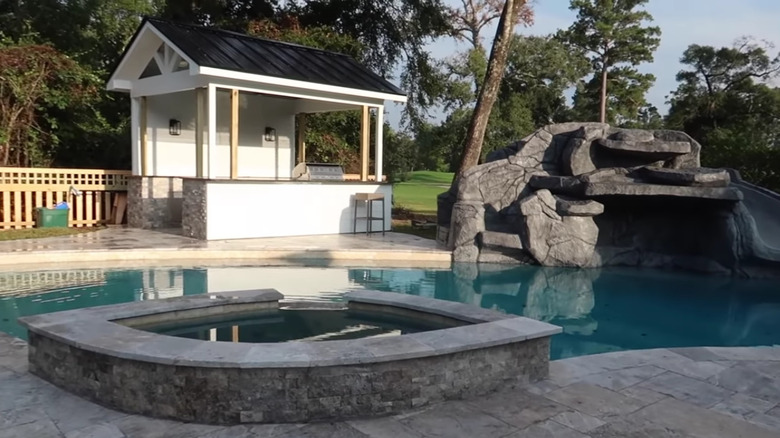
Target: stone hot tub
column 105, row 355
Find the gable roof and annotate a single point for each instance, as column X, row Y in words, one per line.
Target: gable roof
column 220, row 49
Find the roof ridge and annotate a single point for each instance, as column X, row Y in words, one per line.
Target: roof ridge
column 245, row 36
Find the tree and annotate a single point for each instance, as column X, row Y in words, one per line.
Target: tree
column 475, row 135
column 233, row 15
column 626, row 98
column 541, row 69
column 394, row 34
column 724, row 102
column 400, row 155
column 34, row 78
column 720, row 81
column 613, row 36
column 538, row 72
column 475, row 15
column 92, row 33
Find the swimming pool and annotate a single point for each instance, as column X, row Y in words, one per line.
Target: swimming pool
column 600, row 310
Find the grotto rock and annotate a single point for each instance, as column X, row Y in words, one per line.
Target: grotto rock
column 577, row 207
column 701, row 176
column 587, row 194
column 555, row 240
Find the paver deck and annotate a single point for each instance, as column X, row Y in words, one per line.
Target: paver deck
column 129, row 244
column 687, row 392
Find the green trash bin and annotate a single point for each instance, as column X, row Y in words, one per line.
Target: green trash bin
column 51, row 217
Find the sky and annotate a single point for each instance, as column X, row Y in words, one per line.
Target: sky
column 683, row 22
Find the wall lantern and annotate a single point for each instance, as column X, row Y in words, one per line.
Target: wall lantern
column 174, row 127
column 270, row 134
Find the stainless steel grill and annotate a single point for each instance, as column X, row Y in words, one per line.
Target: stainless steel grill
column 318, row 172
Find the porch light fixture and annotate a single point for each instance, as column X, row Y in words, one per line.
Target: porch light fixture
column 270, row 134
column 174, row 127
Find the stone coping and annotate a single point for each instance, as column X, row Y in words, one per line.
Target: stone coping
column 400, row 256
column 287, row 181
column 151, row 263
column 99, row 330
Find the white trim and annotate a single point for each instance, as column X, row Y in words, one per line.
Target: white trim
column 160, row 61
column 286, row 87
column 120, row 85
column 318, row 106
column 280, row 91
column 170, row 44
column 169, row 57
column 135, row 131
column 211, row 116
column 130, row 51
column 167, row 83
column 379, row 143
column 261, row 79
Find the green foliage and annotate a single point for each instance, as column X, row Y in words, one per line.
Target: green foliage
column 39, row 233
column 233, row 15
column 93, row 33
column 334, row 138
column 393, row 33
column 400, row 153
column 539, row 70
column 384, row 34
column 614, row 37
column 419, row 192
column 723, row 101
column 431, row 178
column 36, row 83
column 625, row 98
column 289, row 29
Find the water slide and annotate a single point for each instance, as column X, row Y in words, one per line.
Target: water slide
column 764, row 206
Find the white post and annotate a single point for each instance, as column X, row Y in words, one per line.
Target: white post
column 135, row 138
column 212, row 121
column 201, row 98
column 380, row 127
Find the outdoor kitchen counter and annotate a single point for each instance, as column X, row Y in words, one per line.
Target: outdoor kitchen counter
column 218, row 209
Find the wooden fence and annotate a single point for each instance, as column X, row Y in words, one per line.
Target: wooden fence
column 22, row 190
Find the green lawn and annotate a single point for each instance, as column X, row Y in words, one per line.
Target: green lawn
column 37, row 233
column 418, row 193
column 428, row 177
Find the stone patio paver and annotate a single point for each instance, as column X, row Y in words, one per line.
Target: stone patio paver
column 568, row 405
column 688, row 389
column 743, row 406
column 548, row 429
column 577, row 421
column 595, row 400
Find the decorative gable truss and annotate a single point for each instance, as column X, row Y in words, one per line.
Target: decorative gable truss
column 166, row 60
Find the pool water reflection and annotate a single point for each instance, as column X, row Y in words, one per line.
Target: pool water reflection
column 599, row 310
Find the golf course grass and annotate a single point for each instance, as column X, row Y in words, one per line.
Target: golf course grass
column 418, row 193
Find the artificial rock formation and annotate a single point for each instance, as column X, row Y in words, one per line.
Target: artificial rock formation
column 589, row 195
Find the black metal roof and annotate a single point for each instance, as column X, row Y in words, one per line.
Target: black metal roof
column 209, row 47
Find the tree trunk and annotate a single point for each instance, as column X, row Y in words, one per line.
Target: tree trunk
column 603, row 100
column 472, row 147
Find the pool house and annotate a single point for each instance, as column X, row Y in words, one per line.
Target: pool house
column 219, row 135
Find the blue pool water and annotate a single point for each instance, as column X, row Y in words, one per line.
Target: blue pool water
column 599, row 310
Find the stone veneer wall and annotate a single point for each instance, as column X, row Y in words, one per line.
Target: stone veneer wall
column 154, row 202
column 278, row 395
column 194, row 209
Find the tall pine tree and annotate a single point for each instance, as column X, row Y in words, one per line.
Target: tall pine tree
column 614, row 36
